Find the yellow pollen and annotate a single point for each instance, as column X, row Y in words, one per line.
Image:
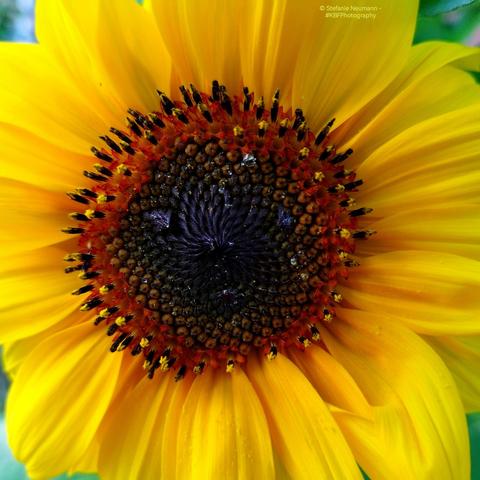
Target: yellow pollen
column 147, row 364
column 120, row 321
column 304, row 152
column 121, row 168
column 306, row 342
column 319, row 176
column 144, row 342
column 340, row 188
column 343, row 255
column 105, row 288
column 163, row 363
column 284, row 123
column 90, row 213
column 102, row 198
column 104, row 313
column 328, row 317
column 238, row 131
column 230, row 366
column 316, row 336
column 263, row 125
column 271, row 355
column 345, row 233
column 337, row 297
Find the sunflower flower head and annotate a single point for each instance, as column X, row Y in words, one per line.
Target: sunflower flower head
column 255, row 250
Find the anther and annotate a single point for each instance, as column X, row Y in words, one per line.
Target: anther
column 186, row 96
column 315, row 333
column 73, row 230
column 215, row 91
column 260, row 108
column 326, row 152
column 197, row 98
column 78, row 198
column 125, row 343
column 362, row 234
column 103, row 170
column 156, row 120
column 301, row 132
column 230, row 366
column 198, row 368
column 181, row 373
column 150, row 137
column 127, row 147
column 360, row 211
column 341, row 157
column 205, row 112
column 117, row 342
column 88, row 275
column 133, row 127
column 299, row 118
column 304, row 341
column 78, row 257
column 324, row 132
column 100, row 155
column 94, row 302
column 111, row 143
column 225, row 101
column 82, row 290
column 178, row 113
column 78, row 216
column 282, row 129
column 352, row 185
column 247, row 99
column 122, row 136
column 87, row 192
column 167, row 104
column 274, row 109
column 273, row 352
column 76, row 268
column 94, row 176
column 112, row 329
column 262, row 128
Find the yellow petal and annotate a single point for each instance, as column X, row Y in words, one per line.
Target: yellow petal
column 412, row 96
column 31, row 217
column 451, row 228
column 37, row 96
column 35, row 292
column 304, row 434
column 112, row 51
column 28, row 158
column 341, row 64
column 419, row 429
column 462, row 357
column 432, row 293
column 223, row 431
column 59, row 398
column 14, row 353
column 334, row 384
column 433, row 162
column 126, row 446
column 202, row 39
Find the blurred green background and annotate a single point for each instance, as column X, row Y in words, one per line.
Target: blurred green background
column 451, row 20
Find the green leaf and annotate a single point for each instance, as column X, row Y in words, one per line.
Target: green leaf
column 436, row 7
column 474, row 432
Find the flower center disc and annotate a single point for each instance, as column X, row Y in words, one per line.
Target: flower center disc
column 214, row 226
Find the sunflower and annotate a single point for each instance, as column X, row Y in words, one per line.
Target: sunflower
column 268, row 215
